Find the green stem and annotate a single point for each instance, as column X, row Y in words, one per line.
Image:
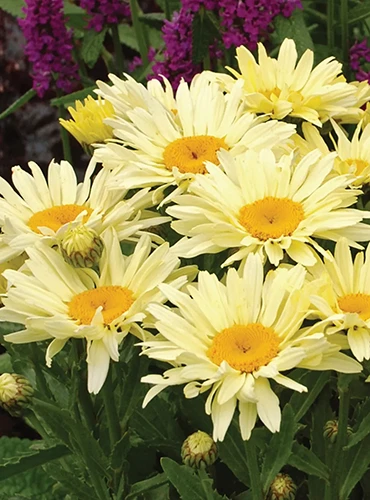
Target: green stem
column 65, row 136
column 167, row 10
column 34, row 422
column 84, row 398
column 315, row 13
column 40, row 377
column 330, row 24
column 118, row 53
column 111, row 410
column 254, row 472
column 338, row 460
column 344, row 33
column 140, row 32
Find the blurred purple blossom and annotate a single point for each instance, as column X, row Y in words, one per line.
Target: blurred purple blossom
column 103, row 12
column 49, row 46
column 359, row 55
column 137, row 61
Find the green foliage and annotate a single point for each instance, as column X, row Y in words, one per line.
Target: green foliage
column 18, row 103
column 305, row 460
column 23, row 475
column 92, row 45
column 5, row 363
column 359, row 13
column 70, row 99
column 189, row 485
column 232, row 453
column 147, row 485
column 293, row 27
column 13, row 7
column 356, row 468
column 315, row 382
column 279, row 448
column 205, row 30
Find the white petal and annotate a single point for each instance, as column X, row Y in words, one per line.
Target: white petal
column 267, row 405
column 247, row 419
column 97, row 365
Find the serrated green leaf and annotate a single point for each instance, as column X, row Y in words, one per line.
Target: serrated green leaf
column 70, row 99
column 232, row 452
column 92, row 45
column 204, row 34
column 315, row 383
column 18, row 103
column 356, row 468
column 293, row 27
column 5, row 363
column 361, row 433
column 280, row 448
column 189, row 485
column 120, row 452
column 13, row 7
column 305, row 460
column 152, row 483
column 71, row 482
column 17, row 465
column 127, row 36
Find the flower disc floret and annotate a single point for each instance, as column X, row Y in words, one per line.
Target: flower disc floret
column 55, row 217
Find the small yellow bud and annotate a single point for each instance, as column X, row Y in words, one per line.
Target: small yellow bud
column 331, row 430
column 15, row 264
column 199, row 450
column 87, row 124
column 81, row 246
column 282, row 488
column 15, row 393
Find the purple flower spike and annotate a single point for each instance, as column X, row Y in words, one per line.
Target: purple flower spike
column 359, row 54
column 103, row 12
column 49, row 46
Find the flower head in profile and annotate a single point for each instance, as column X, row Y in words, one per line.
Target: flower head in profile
column 231, row 339
column 162, row 146
column 282, row 87
column 57, row 302
column 343, row 297
column 256, row 203
column 87, row 124
column 46, row 209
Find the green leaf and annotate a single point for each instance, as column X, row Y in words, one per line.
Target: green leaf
column 120, row 451
column 172, row 5
column 17, row 465
column 33, row 483
column 360, row 434
column 187, row 482
column 70, row 99
column 72, row 8
column 5, row 363
column 18, row 103
column 13, row 7
column 73, row 482
column 315, row 382
column 356, row 468
column 293, row 27
column 152, row 483
column 153, row 19
column 305, row 460
column 92, row 45
column 232, row 453
column 204, row 33
column 359, row 13
column 280, row 448
column 127, row 36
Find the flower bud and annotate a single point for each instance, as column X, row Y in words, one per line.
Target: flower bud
column 15, row 393
column 331, row 430
column 199, row 450
column 81, row 246
column 282, row 488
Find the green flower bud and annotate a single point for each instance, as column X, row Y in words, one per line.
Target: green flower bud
column 81, row 246
column 199, row 450
column 331, row 430
column 282, row 488
column 15, row 393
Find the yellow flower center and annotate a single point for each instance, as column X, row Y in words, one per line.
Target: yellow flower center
column 245, row 347
column 359, row 165
column 356, row 303
column 55, row 217
column 271, row 217
column 115, row 300
column 188, row 154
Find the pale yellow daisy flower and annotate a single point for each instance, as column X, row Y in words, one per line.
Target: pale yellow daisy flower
column 284, row 87
column 44, row 209
column 255, row 203
column 342, row 297
column 162, row 146
column 87, row 124
column 57, row 302
column 231, row 339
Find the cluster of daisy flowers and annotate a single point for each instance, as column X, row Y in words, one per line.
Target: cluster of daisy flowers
column 230, row 165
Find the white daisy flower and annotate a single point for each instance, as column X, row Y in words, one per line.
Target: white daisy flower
column 55, row 301
column 159, row 145
column 342, row 297
column 257, row 204
column 44, row 209
column 282, row 87
column 231, row 339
